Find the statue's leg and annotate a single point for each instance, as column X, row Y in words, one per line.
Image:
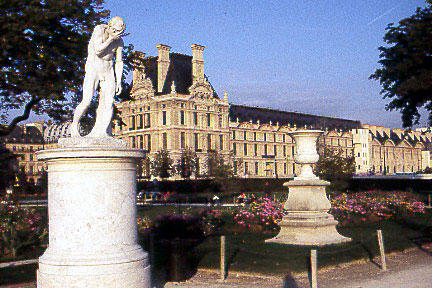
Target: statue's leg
column 89, row 85
column 105, row 108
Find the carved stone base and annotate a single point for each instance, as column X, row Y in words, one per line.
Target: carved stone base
column 309, row 229
column 308, row 222
column 90, row 142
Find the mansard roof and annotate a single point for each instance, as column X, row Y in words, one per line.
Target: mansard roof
column 265, row 115
column 179, row 72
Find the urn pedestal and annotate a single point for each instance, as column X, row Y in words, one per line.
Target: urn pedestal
column 307, row 221
column 92, row 220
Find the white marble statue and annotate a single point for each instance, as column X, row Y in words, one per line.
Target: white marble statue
column 105, row 43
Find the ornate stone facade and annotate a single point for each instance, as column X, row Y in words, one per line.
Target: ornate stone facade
column 174, row 106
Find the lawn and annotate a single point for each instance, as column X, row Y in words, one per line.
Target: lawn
column 249, row 253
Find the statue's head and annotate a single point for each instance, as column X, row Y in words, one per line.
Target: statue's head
column 116, row 25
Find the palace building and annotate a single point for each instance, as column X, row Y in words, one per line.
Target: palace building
column 174, row 106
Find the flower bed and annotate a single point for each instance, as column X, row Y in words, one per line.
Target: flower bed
column 373, row 205
column 262, row 212
column 20, row 228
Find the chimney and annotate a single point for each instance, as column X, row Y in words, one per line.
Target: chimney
column 163, row 64
column 197, row 61
column 138, row 58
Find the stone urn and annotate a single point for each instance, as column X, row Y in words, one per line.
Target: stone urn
column 307, row 221
column 306, row 154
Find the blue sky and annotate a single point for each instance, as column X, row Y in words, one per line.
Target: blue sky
column 306, row 56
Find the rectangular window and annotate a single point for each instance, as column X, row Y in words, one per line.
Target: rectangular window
column 164, row 140
column 275, row 150
column 245, row 149
column 244, row 135
column 256, row 149
column 284, row 150
column 140, row 121
column 234, row 148
column 195, row 118
column 276, row 170
column 147, row 124
column 31, row 157
column 132, row 123
column 254, row 136
column 246, row 168
column 196, row 141
column 265, row 136
column 140, row 140
column 182, row 117
column 284, row 138
column 265, row 149
column 149, row 142
column 208, row 119
column 234, row 135
column 132, row 141
column 285, row 168
column 220, row 122
column 274, row 137
column 221, row 142
column 209, row 146
column 164, row 120
column 256, row 168
column 182, row 140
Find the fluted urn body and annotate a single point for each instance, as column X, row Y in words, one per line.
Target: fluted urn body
column 306, row 154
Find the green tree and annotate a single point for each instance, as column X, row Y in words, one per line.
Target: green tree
column 219, row 169
column 162, row 164
column 8, row 167
column 333, row 166
column 44, row 45
column 187, row 163
column 406, row 66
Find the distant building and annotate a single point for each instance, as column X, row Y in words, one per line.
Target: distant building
column 174, row 106
column 24, row 141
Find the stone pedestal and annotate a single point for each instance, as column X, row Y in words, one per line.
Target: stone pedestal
column 92, row 220
column 307, row 221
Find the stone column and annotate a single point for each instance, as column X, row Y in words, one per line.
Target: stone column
column 308, row 221
column 92, row 219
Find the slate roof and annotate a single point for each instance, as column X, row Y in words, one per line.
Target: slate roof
column 265, row 115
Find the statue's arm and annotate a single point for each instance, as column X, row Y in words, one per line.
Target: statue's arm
column 99, row 45
column 119, row 67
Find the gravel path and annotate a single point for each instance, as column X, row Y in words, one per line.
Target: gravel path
column 409, row 269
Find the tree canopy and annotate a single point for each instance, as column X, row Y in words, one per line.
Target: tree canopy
column 333, row 166
column 162, row 164
column 405, row 74
column 44, row 47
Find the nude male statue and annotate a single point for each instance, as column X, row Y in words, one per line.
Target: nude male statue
column 105, row 43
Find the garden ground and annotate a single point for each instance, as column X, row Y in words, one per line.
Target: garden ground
column 408, row 269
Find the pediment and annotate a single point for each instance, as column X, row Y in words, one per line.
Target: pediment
column 142, row 86
column 201, row 89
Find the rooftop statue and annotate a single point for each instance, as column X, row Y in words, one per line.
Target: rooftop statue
column 105, row 43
